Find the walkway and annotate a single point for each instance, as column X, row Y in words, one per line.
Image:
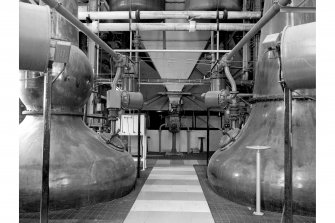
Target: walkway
column 172, row 193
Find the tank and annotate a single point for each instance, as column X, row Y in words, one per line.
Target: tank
column 232, row 172
column 142, row 5
column 212, row 5
column 61, row 29
column 84, row 170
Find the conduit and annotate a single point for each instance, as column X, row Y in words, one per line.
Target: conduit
column 145, row 15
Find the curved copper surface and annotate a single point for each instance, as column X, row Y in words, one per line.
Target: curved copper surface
column 83, row 169
column 232, row 172
column 69, row 92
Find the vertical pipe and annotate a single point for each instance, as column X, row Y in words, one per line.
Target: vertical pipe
column 212, row 48
column 139, row 144
column 160, row 140
column 44, row 205
column 258, row 183
column 217, row 47
column 208, row 114
column 288, row 195
column 160, row 137
column 92, row 57
column 245, row 49
column 174, row 143
column 137, row 60
column 188, row 140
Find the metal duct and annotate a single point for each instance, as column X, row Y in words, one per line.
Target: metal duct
column 298, row 56
column 232, row 172
column 34, row 39
column 83, row 169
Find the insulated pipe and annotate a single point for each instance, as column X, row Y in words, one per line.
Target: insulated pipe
column 144, row 15
column 160, row 137
column 255, row 29
column 109, row 27
column 79, row 25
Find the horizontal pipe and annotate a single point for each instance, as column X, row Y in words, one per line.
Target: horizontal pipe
column 164, row 80
column 171, row 83
column 122, row 15
column 108, row 27
column 298, row 9
column 174, row 1
column 79, row 25
column 255, row 29
column 171, row 51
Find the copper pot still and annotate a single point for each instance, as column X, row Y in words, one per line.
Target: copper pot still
column 232, row 172
column 84, row 170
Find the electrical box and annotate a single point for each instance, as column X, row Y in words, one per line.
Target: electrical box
column 128, row 125
column 114, row 99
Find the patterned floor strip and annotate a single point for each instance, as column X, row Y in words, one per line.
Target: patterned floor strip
column 172, row 193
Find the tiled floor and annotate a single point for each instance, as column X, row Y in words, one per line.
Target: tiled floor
column 173, row 190
column 172, row 193
column 225, row 211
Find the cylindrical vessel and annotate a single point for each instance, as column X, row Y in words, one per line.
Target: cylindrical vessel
column 232, row 172
column 200, row 5
column 131, row 100
column 142, row 5
column 83, row 169
column 61, row 29
column 34, row 39
column 216, row 98
column 298, row 56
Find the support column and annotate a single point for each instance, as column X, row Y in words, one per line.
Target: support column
column 208, row 115
column 44, row 205
column 288, row 195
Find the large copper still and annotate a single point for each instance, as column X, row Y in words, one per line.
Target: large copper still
column 232, row 172
column 83, row 169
